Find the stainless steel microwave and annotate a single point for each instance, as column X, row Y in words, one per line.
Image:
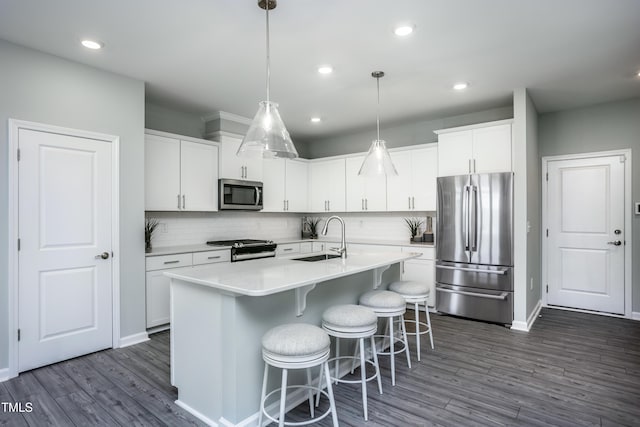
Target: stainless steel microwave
column 238, row 194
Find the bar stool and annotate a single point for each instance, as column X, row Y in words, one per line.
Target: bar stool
column 353, row 322
column 416, row 293
column 296, row 346
column 387, row 305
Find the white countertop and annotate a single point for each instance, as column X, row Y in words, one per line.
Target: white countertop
column 273, row 275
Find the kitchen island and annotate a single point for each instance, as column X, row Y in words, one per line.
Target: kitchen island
column 220, row 312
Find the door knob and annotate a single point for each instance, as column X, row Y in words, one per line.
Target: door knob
column 103, row 255
column 615, row 243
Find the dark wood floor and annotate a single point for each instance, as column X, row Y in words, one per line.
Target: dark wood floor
column 572, row 369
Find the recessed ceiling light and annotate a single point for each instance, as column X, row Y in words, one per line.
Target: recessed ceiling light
column 315, row 120
column 325, row 69
column 460, row 86
column 638, row 75
column 92, row 44
column 403, row 30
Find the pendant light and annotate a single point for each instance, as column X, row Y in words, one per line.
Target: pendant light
column 267, row 136
column 378, row 160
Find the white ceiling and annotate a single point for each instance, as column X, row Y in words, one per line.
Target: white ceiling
column 201, row 56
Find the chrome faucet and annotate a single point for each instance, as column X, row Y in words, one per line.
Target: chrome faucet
column 342, row 250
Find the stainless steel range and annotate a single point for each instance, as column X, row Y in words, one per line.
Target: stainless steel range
column 246, row 249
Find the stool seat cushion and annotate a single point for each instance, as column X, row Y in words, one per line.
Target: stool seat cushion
column 295, row 339
column 382, row 299
column 410, row 287
column 349, row 315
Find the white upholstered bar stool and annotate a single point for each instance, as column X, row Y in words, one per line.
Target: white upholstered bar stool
column 389, row 305
column 296, row 346
column 416, row 293
column 353, row 322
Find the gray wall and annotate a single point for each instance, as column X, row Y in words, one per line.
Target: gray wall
column 534, row 286
column 43, row 88
column 174, row 121
column 602, row 127
column 399, row 135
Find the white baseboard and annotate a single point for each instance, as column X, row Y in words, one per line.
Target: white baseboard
column 197, row 414
column 526, row 326
column 133, row 339
column 635, row 315
column 4, row 374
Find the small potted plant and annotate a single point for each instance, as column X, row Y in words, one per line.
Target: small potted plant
column 312, row 226
column 414, row 227
column 150, row 225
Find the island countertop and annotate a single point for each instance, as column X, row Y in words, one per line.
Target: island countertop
column 273, row 275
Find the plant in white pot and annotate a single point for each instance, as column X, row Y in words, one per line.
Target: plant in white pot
column 414, row 225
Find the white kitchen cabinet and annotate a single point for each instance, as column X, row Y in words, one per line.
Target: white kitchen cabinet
column 365, row 247
column 327, row 186
column 158, row 285
column 364, row 193
column 287, row 249
column 285, row 185
column 414, row 189
column 421, row 269
column 481, row 148
column 233, row 166
column 180, row 174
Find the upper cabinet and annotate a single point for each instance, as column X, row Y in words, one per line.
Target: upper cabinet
column 414, row 189
column 475, row 149
column 285, row 185
column 364, row 193
column 233, row 166
column 181, row 174
column 327, row 185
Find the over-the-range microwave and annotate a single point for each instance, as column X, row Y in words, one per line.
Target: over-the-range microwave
column 236, row 194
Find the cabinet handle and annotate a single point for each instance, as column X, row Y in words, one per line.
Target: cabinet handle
column 366, row 204
column 362, row 203
column 409, row 201
column 284, row 205
column 413, row 202
column 214, row 257
column 329, row 204
column 474, row 166
column 287, row 205
column 172, row 262
column 183, row 202
column 287, row 249
column 178, row 201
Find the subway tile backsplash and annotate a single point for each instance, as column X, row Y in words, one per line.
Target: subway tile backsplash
column 192, row 228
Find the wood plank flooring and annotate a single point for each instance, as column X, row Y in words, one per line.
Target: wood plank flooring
column 572, row 369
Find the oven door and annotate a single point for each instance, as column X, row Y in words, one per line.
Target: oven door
column 475, row 303
column 240, row 195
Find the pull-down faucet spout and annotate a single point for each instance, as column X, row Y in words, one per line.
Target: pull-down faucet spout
column 342, row 250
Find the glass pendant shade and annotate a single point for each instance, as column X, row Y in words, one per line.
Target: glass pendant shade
column 378, row 161
column 267, row 136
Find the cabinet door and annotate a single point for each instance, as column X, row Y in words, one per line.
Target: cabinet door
column 199, row 176
column 455, row 151
column 336, row 185
column 274, row 185
column 296, row 186
column 399, row 187
column 424, row 165
column 423, row 271
column 355, row 185
column 492, row 149
column 157, row 298
column 161, row 173
column 231, row 166
column 318, row 186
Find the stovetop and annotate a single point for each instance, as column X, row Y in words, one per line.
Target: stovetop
column 239, row 243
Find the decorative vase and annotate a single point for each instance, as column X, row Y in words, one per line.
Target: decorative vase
column 147, row 247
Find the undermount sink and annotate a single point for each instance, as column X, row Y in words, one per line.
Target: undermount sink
column 314, row 258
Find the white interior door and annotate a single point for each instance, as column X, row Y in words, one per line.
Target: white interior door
column 64, row 284
column 586, row 243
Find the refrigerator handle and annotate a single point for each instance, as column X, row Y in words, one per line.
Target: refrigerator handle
column 474, row 217
column 465, row 216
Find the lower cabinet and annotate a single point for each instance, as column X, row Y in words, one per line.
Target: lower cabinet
column 157, row 284
column 421, row 269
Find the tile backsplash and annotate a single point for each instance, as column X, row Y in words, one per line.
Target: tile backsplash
column 192, row 228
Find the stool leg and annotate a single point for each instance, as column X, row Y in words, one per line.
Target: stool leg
column 320, row 378
column 353, row 359
column 417, row 314
column 391, row 351
column 337, row 368
column 310, row 393
column 426, row 310
column 264, row 392
column 406, row 341
column 283, row 398
column 332, row 402
column 363, row 379
column 375, row 361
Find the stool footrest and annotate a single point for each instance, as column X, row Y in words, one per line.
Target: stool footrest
column 358, row 381
column 395, row 339
column 300, row 423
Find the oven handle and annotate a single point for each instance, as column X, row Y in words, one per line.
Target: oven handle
column 257, row 195
column 256, row 255
column 502, row 296
column 501, row 272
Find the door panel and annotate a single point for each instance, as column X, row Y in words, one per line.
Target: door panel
column 296, row 186
column 64, row 290
column 273, row 198
column 451, row 219
column 586, row 207
column 199, row 176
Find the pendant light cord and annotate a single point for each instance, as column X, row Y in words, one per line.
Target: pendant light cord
column 268, row 55
column 378, row 109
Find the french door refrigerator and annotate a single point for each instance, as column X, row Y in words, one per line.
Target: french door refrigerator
column 474, row 250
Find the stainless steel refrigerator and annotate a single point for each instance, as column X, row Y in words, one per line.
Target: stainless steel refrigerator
column 474, row 249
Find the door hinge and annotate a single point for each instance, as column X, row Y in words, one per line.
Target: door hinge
column 547, row 175
column 18, row 334
column 547, row 288
column 18, row 154
column 623, row 158
column 18, row 245
column 547, row 232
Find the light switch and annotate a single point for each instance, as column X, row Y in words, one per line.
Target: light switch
column 637, row 208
